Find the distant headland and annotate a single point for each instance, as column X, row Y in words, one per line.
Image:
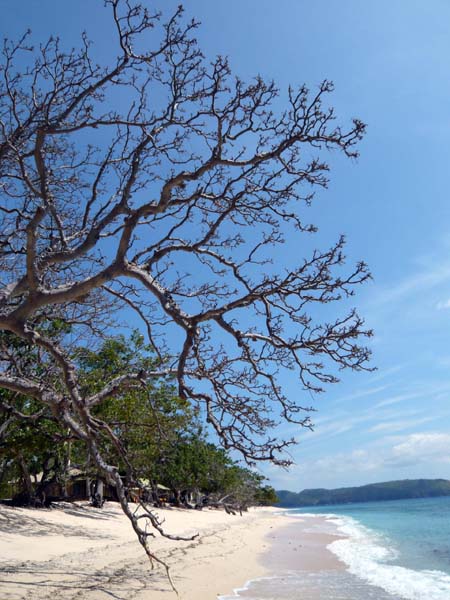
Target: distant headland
column 388, row 490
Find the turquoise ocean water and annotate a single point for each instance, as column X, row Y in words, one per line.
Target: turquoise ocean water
column 392, row 550
column 417, row 531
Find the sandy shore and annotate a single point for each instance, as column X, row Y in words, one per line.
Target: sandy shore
column 78, row 552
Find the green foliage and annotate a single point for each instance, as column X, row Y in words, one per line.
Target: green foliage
column 146, row 417
column 32, row 444
column 160, row 436
column 33, row 452
column 266, row 496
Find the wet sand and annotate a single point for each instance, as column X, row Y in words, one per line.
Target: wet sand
column 302, row 545
column 300, row 566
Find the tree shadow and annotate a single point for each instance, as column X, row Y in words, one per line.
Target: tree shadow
column 82, row 581
column 61, row 586
column 85, row 511
column 16, row 521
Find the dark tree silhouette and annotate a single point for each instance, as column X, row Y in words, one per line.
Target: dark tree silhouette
column 160, row 184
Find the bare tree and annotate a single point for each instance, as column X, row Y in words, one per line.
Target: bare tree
column 160, row 184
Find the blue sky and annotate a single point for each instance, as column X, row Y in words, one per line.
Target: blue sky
column 389, row 62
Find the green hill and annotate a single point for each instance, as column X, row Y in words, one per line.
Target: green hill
column 389, row 490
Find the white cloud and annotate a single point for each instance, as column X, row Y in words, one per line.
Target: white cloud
column 382, row 373
column 337, row 424
column 420, row 448
column 412, row 300
column 400, row 425
column 443, row 361
column 429, row 277
column 395, row 457
column 379, row 418
column 423, row 389
column 413, row 449
column 396, row 399
column 359, row 460
column 443, row 305
column 370, row 391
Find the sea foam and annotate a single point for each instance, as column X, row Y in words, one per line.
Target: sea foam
column 369, row 557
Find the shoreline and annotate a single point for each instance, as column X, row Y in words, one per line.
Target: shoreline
column 301, row 564
column 295, row 545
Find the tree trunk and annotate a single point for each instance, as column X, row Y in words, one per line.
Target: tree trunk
column 97, row 498
column 177, row 494
column 28, row 492
column 155, row 494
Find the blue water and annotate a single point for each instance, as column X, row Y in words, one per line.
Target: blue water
column 417, row 530
column 392, row 550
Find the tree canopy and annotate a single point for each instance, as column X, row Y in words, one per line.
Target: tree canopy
column 158, row 185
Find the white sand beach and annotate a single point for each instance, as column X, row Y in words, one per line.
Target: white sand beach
column 79, row 552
